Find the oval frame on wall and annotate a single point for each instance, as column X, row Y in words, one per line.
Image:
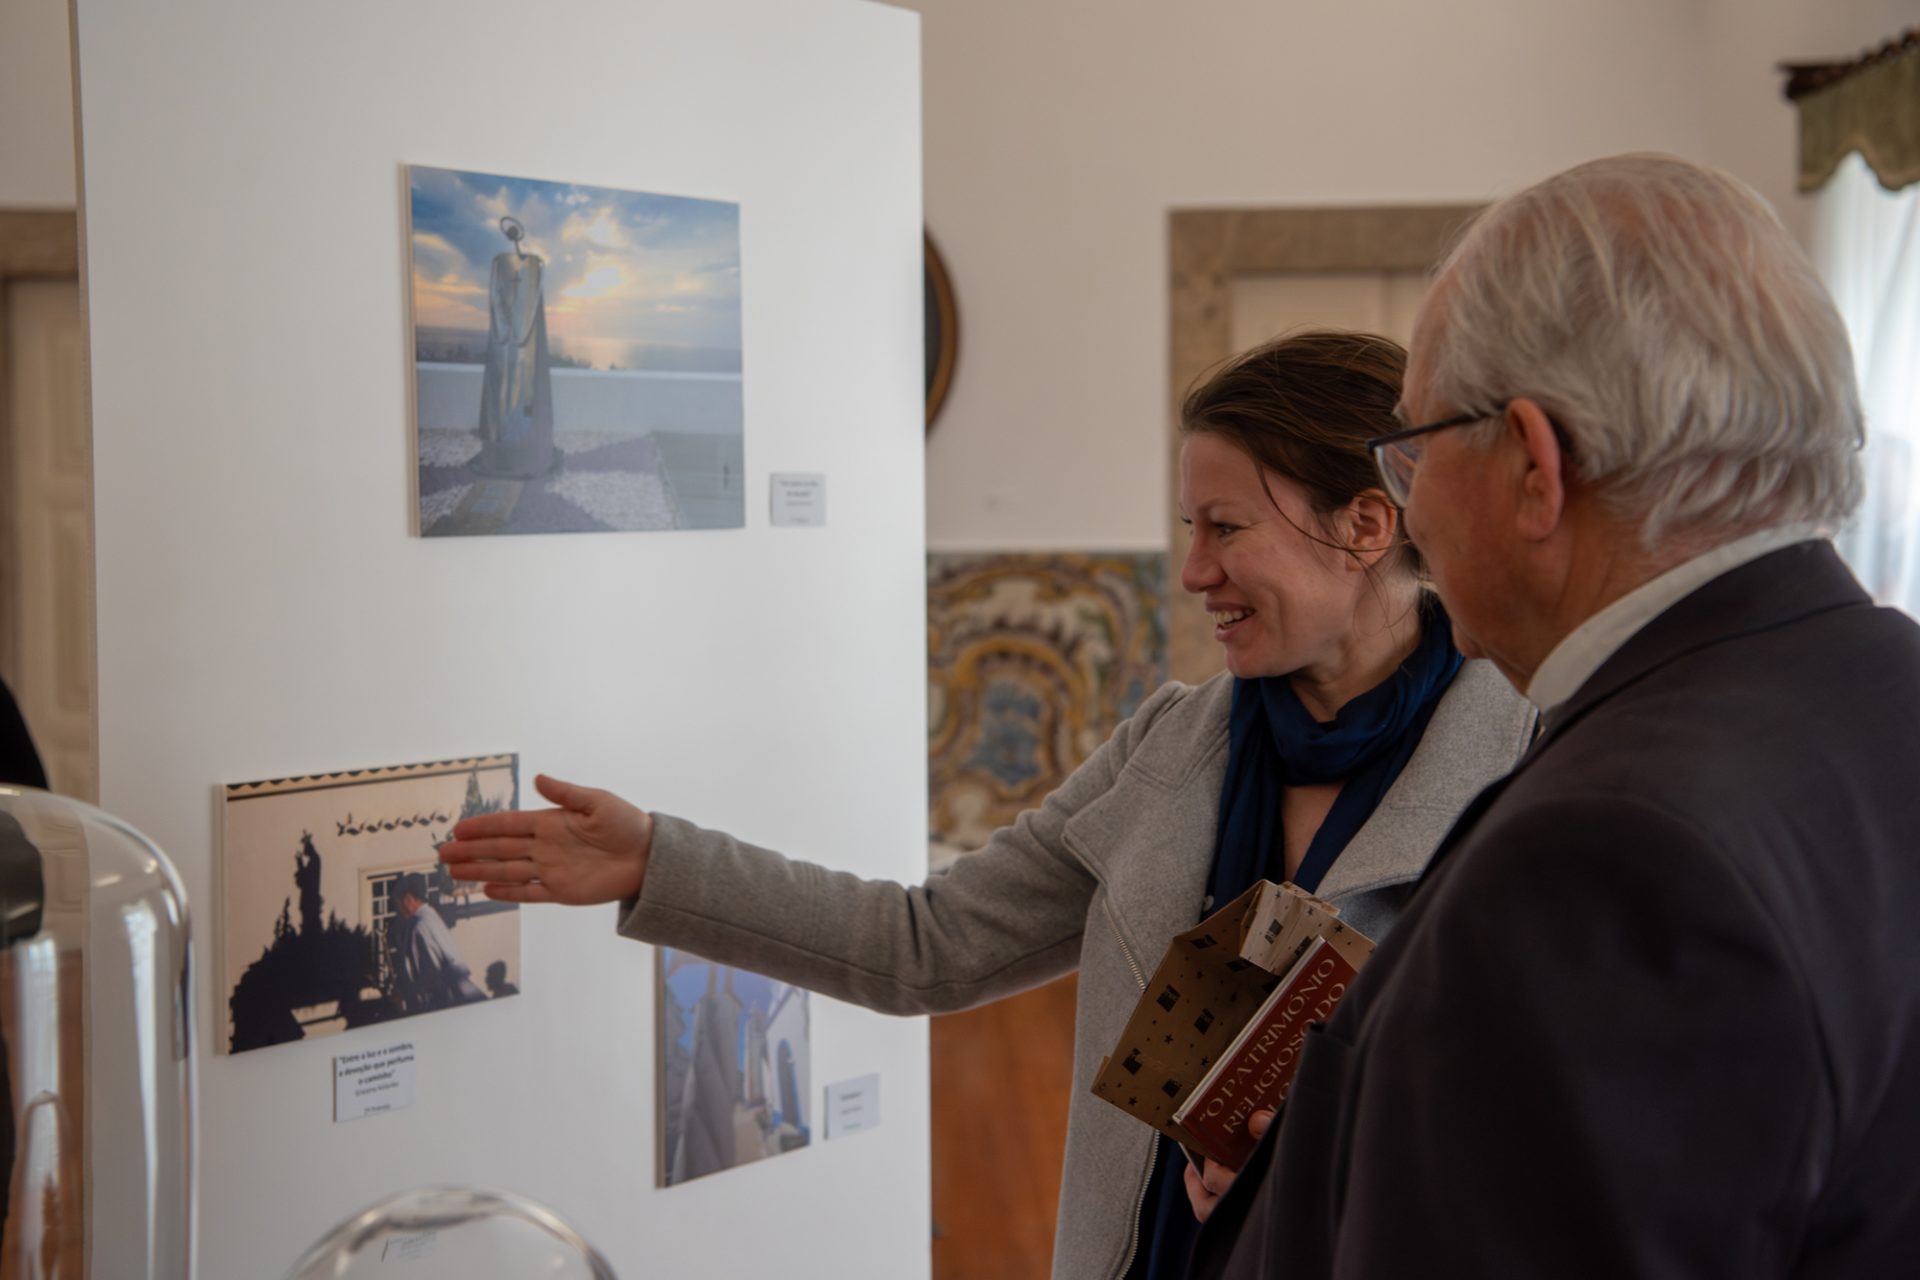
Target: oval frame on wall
column 942, row 330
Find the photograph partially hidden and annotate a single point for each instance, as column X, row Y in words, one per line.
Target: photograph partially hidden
column 734, row 1067
column 337, row 912
column 577, row 360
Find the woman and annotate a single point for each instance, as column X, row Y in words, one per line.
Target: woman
column 1335, row 751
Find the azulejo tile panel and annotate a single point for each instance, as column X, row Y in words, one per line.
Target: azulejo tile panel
column 1033, row 659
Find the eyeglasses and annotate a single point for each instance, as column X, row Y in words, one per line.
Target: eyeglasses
column 1397, row 455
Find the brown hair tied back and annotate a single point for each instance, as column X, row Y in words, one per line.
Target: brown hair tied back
column 1305, row 405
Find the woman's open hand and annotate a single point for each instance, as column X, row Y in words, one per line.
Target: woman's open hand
column 592, row 848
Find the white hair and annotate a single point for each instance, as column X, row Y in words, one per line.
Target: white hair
column 1663, row 317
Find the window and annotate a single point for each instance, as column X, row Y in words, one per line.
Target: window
column 1866, row 244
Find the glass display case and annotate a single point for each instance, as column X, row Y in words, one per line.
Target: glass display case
column 95, row 1047
column 454, row 1233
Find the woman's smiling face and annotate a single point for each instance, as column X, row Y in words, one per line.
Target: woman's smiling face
column 1281, row 601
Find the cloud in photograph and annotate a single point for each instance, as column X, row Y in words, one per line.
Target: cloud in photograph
column 621, row 267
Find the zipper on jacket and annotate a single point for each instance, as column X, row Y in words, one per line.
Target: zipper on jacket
column 1153, row 1155
column 1126, row 952
column 1133, row 1244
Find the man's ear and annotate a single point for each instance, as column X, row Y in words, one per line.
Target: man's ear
column 1543, row 489
column 1368, row 524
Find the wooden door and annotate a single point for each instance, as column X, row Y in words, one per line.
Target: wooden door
column 50, row 602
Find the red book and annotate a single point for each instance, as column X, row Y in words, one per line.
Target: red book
column 1257, row 1069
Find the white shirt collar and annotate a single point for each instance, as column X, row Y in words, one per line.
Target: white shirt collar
column 1590, row 644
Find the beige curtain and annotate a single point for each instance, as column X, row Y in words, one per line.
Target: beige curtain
column 1872, row 106
column 1866, row 244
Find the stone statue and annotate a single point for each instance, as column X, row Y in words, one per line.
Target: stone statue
column 306, row 875
column 516, row 397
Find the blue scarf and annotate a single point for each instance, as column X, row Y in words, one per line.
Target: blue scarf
column 1273, row 742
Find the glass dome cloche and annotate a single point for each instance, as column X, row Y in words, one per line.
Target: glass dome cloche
column 454, row 1233
column 95, row 1047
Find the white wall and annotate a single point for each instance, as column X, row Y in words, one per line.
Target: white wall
column 36, row 105
column 263, row 610
column 1060, row 132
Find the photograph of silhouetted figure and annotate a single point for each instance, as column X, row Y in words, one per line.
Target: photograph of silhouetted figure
column 337, row 914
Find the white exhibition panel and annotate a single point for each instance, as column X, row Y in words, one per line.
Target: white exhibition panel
column 264, row 611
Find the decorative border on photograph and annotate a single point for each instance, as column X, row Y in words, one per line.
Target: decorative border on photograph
column 316, row 781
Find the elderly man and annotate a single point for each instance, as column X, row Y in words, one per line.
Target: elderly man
column 427, row 966
column 1655, row 1010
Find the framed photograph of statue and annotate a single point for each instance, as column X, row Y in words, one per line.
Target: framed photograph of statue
column 335, row 912
column 576, row 357
column 734, row 1074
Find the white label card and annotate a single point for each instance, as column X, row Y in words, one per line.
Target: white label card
column 853, row 1105
column 799, row 498
column 373, row 1081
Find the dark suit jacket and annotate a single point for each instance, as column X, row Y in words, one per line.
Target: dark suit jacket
column 1656, row 1009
